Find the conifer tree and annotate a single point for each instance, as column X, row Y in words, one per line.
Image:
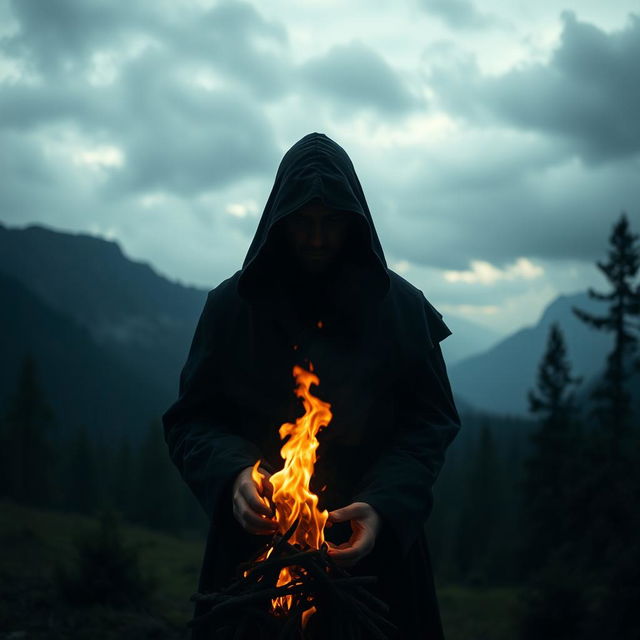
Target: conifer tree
column 31, row 465
column 549, row 472
column 81, row 474
column 613, row 402
column 157, row 498
column 553, row 602
column 5, row 487
column 107, row 572
column 122, row 478
column 480, row 509
column 606, row 491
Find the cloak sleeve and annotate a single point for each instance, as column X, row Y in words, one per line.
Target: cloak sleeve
column 201, row 440
column 399, row 483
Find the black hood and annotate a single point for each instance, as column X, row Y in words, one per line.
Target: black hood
column 315, row 167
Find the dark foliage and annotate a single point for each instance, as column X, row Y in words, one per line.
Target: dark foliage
column 582, row 489
column 613, row 400
column 81, row 478
column 26, row 458
column 555, row 605
column 477, row 528
column 550, row 470
column 107, row 572
column 157, row 488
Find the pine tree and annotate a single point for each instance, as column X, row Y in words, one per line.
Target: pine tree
column 29, row 452
column 549, row 472
column 553, row 602
column 613, row 401
column 121, row 487
column 5, row 485
column 480, row 509
column 552, row 398
column 606, row 493
column 107, row 571
column 608, row 489
column 157, row 498
column 81, row 474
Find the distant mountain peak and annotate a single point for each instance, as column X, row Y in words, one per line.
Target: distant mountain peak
column 498, row 379
column 556, row 310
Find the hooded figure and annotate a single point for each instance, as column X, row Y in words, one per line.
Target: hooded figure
column 372, row 339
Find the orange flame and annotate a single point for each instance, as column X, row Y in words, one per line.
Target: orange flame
column 292, row 497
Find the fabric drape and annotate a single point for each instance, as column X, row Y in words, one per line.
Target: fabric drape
column 377, row 354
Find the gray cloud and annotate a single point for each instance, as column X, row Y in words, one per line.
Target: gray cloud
column 458, row 14
column 355, row 74
column 176, row 136
column 38, row 186
column 26, row 107
column 203, row 102
column 588, row 93
column 237, row 41
column 180, row 138
column 556, row 213
column 26, row 174
column 59, row 36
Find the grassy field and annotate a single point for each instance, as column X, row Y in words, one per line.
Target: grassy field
column 33, row 542
column 478, row 614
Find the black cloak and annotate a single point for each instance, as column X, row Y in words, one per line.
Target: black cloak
column 373, row 340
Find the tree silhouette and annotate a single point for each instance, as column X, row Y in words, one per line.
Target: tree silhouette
column 613, row 401
column 157, row 498
column 552, row 398
column 122, row 474
column 550, row 468
column 81, row 477
column 478, row 518
column 107, row 571
column 553, row 602
column 30, row 464
column 602, row 516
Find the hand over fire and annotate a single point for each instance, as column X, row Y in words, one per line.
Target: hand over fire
column 251, row 506
column 365, row 525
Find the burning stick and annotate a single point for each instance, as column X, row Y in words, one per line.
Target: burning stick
column 317, row 583
column 291, row 588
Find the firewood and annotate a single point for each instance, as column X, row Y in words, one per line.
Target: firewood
column 345, row 608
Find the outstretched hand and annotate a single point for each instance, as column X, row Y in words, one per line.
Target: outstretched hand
column 365, row 525
column 251, row 506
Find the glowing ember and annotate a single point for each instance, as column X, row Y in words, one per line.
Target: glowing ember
column 292, row 498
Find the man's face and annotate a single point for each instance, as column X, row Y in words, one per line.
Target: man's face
column 316, row 235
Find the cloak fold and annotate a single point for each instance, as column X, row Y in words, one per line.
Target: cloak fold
column 203, row 444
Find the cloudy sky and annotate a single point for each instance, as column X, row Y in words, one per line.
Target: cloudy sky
column 497, row 142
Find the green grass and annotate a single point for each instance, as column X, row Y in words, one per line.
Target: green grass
column 479, row 613
column 34, row 541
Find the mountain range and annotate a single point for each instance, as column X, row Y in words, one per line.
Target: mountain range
column 497, row 379
column 111, row 335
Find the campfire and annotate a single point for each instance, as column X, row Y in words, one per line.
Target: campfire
column 292, row 588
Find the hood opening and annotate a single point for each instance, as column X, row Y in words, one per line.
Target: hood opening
column 315, row 168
